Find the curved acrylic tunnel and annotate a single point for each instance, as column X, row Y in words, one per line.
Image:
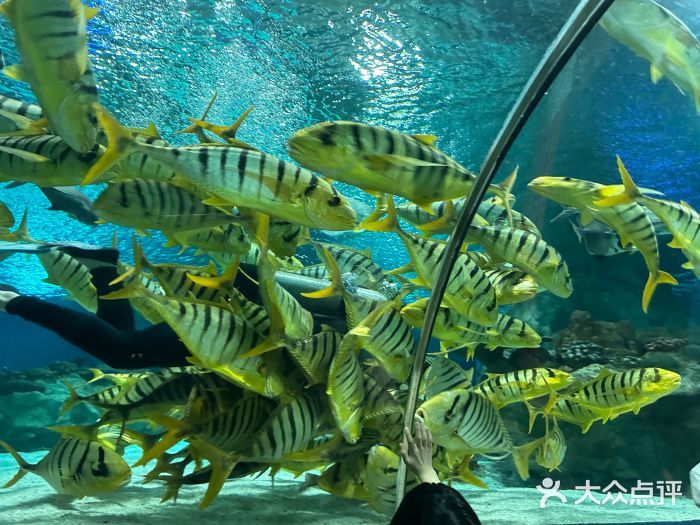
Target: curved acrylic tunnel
column 575, row 30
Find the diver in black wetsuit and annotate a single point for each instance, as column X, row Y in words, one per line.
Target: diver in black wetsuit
column 109, row 336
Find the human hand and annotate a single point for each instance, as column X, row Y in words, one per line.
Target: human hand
column 417, row 452
column 6, row 297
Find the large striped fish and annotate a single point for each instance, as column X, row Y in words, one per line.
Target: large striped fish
column 465, row 422
column 382, row 467
column 526, row 251
column 76, row 468
column 288, row 429
column 630, row 221
column 230, row 239
column 71, row 275
column 468, row 291
column 612, row 394
column 346, row 389
column 52, row 43
column 380, row 160
column 680, row 218
column 148, row 204
column 240, row 177
column 456, row 331
column 444, row 374
column 366, row 272
column 657, row 35
column 45, row 160
column 522, row 385
column 512, row 286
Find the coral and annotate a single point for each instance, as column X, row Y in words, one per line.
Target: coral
column 619, row 336
column 579, row 353
column 665, row 344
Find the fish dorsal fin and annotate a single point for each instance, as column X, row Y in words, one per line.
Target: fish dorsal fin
column 16, row 72
column 428, row 140
column 586, row 217
column 90, row 12
column 604, row 372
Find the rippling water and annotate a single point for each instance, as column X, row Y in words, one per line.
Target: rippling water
column 453, row 70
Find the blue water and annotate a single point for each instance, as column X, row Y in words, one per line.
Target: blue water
column 452, row 69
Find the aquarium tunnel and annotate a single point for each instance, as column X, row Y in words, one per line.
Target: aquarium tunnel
column 244, row 244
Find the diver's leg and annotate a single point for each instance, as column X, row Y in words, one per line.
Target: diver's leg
column 102, row 264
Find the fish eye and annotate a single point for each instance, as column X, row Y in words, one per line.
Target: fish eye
column 567, row 179
column 335, row 201
column 102, row 470
column 92, row 118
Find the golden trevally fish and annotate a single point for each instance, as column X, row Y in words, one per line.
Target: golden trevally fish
column 45, row 160
column 151, row 204
column 612, row 394
column 630, row 221
column 527, row 251
column 237, row 177
column 657, row 35
column 76, row 468
column 549, row 451
column 380, row 160
column 680, row 218
column 522, row 385
column 52, row 43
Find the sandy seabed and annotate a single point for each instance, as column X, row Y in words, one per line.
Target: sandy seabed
column 257, row 501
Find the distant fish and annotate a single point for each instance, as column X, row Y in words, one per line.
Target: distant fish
column 599, row 240
column 71, row 201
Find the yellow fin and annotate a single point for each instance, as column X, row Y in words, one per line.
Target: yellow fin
column 650, row 287
column 24, row 467
column 90, row 12
column 119, row 142
column 217, row 282
column 617, row 198
column 688, row 266
column 675, row 243
column 268, row 345
column 429, row 140
column 655, row 73
column 389, row 223
column 442, row 222
column 586, row 217
column 521, row 457
column 16, row 72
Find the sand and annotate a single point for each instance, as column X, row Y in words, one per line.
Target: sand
column 33, row 502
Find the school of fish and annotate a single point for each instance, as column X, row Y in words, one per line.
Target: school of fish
column 270, row 387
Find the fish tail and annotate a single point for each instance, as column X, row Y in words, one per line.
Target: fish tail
column 173, row 436
column 388, row 224
column 504, row 190
column 120, row 140
column 217, row 282
column 24, row 467
column 73, row 400
column 336, row 287
column 611, row 197
column 654, row 280
column 521, row 457
column 96, row 374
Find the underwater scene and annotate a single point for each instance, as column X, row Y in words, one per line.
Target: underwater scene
column 225, row 231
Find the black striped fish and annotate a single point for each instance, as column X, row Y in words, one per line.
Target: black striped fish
column 346, row 389
column 315, row 271
column 332, row 448
column 141, row 305
column 456, row 331
column 45, row 160
column 76, row 468
column 23, row 109
column 512, row 286
column 630, row 221
column 549, row 451
column 385, row 335
column 680, row 218
column 216, row 338
column 315, row 354
column 380, row 160
column 346, row 479
column 468, row 291
column 522, row 385
column 252, row 313
column 378, row 400
column 465, row 422
column 148, row 204
column 382, row 467
column 367, row 273
column 612, row 394
column 288, row 429
column 52, row 43
column 230, row 239
column 240, row 177
column 444, row 374
column 71, row 275
column 526, row 251
column 228, row 431
column 114, row 436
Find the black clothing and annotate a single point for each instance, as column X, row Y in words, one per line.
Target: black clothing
column 434, row 504
column 110, row 337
